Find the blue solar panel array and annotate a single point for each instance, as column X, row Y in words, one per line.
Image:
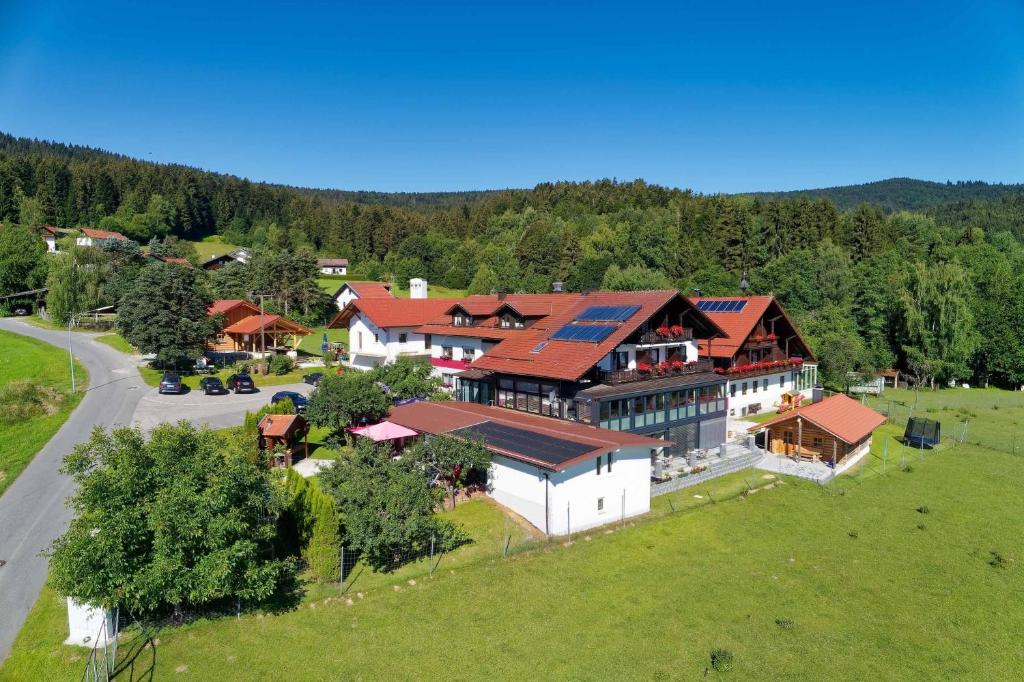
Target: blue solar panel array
column 608, row 313
column 582, row 332
column 714, row 306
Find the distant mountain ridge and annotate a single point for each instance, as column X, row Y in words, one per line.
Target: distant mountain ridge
column 902, row 194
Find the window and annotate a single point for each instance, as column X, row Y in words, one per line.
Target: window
column 609, row 462
column 359, row 340
column 376, row 337
column 621, row 359
column 732, row 390
column 743, row 389
column 600, row 504
column 467, row 353
column 782, row 381
column 597, row 463
column 764, row 384
column 403, row 338
column 818, row 442
column 446, row 353
column 754, row 387
column 427, row 341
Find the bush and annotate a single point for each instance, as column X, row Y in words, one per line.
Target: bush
column 280, row 364
column 721, row 660
column 996, row 559
column 784, row 623
column 312, row 526
column 922, row 509
column 854, row 534
column 25, row 399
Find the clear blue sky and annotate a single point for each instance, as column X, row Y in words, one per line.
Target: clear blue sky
column 716, row 96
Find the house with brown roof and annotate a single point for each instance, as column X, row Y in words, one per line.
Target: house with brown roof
column 767, row 363
column 173, row 260
column 383, row 329
column 562, row 477
column 834, row 430
column 217, row 262
column 92, row 237
column 333, row 266
column 350, row 291
column 246, row 330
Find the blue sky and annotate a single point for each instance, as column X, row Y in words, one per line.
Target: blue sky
column 715, row 96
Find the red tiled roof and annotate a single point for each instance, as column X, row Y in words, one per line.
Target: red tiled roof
column 172, row 259
column 102, row 234
column 840, row 415
column 368, row 289
column 739, row 325
column 225, row 304
column 393, row 312
column 332, row 262
column 447, row 416
column 569, row 360
column 491, row 307
column 278, row 425
column 253, row 324
column 49, row 229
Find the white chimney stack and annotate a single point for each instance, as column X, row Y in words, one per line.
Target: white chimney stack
column 417, row 288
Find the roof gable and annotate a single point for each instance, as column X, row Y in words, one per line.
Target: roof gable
column 839, row 414
column 739, row 325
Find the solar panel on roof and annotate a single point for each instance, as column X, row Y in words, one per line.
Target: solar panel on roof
column 582, row 332
column 528, row 443
column 608, row 313
column 539, row 347
column 720, row 306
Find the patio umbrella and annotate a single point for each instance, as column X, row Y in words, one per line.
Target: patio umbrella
column 323, row 344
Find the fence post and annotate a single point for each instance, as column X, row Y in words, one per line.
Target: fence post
column 623, row 507
column 568, row 522
column 341, row 577
column 431, row 564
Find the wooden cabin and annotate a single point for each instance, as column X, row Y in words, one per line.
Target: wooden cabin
column 287, row 432
column 243, row 327
column 829, row 430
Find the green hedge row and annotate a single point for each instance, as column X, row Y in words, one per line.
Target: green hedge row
column 313, row 522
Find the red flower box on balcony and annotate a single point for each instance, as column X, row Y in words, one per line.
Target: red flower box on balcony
column 644, row 368
column 676, row 330
column 663, row 331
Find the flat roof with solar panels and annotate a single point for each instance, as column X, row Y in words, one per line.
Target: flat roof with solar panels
column 710, row 305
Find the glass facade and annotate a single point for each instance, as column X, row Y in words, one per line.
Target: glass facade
column 527, row 395
column 806, row 378
column 639, row 412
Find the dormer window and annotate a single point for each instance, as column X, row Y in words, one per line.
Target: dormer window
column 462, row 320
column 508, row 321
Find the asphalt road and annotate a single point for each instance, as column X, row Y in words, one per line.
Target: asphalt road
column 32, row 510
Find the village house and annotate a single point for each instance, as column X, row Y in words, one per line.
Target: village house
column 92, row 237
column 332, row 266
column 350, row 291
column 246, row 330
column 383, row 329
column 49, row 233
column 174, row 260
column 835, row 430
column 562, row 477
column 217, row 262
column 762, row 355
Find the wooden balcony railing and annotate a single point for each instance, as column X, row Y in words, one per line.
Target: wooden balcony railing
column 654, row 337
column 624, row 376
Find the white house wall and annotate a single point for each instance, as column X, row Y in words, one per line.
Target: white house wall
column 573, row 493
column 770, row 399
column 366, row 350
column 688, row 347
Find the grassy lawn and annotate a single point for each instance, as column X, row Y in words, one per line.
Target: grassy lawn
column 152, row 377
column 25, row 358
column 906, row 574
column 311, row 344
column 995, row 418
column 117, row 342
column 212, row 246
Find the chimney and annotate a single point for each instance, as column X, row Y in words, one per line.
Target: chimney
column 502, row 294
column 556, row 287
column 417, row 288
column 817, row 394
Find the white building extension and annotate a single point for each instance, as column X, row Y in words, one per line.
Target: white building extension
column 562, row 477
column 382, row 330
column 333, row 266
column 764, row 392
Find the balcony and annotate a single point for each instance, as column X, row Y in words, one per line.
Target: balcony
column 654, row 337
column 625, row 376
column 757, row 369
column 448, row 363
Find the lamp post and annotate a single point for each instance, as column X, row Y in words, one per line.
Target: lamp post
column 71, row 355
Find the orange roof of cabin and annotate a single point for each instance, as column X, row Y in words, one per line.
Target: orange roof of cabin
column 840, row 415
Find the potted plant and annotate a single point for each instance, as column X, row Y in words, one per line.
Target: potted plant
column 676, row 331
column 663, row 331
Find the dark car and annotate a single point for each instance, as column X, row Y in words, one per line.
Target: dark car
column 212, row 386
column 241, row 383
column 170, row 382
column 298, row 400
column 313, row 379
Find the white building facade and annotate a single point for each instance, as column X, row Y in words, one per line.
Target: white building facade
column 370, row 345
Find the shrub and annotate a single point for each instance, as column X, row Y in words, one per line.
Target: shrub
column 996, row 560
column 784, row 623
column 312, row 526
column 907, row 469
column 854, row 534
column 25, row 399
column 921, row 526
column 280, row 364
column 922, row 509
column 721, row 660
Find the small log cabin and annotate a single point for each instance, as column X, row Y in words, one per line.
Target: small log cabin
column 287, row 432
column 829, row 430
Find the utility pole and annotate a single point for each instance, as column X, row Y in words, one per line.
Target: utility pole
column 263, row 344
column 71, row 355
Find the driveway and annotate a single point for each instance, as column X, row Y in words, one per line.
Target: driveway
column 216, row 411
column 32, row 510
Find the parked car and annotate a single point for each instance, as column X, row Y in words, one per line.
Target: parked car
column 170, row 382
column 212, row 386
column 241, row 383
column 298, row 400
column 313, row 379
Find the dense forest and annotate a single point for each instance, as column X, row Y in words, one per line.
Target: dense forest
column 902, row 194
column 937, row 292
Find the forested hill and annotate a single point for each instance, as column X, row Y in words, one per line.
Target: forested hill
column 902, row 194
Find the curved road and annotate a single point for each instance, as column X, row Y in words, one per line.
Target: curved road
column 32, row 510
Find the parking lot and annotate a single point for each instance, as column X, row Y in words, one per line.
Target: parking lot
column 216, row 411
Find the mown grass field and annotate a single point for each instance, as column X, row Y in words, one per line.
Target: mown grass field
column 212, row 246
column 848, row 582
column 25, row 358
column 117, row 342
